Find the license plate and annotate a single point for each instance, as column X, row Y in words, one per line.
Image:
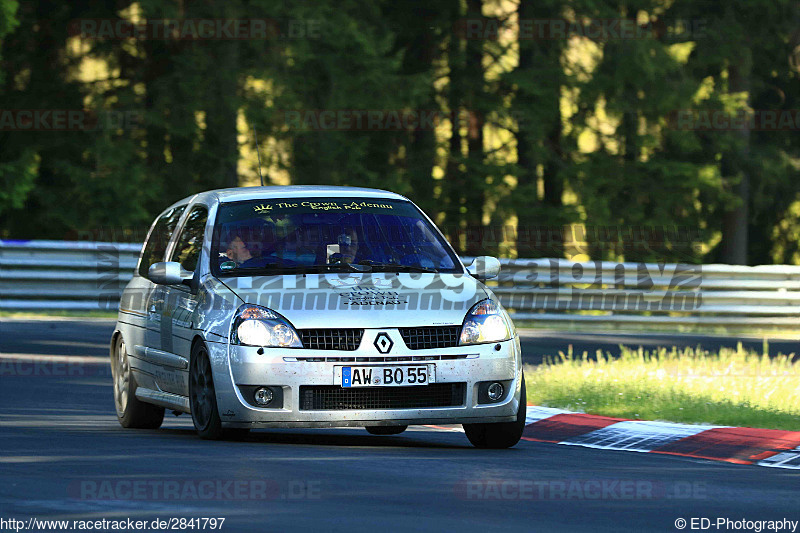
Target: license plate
column 385, row 376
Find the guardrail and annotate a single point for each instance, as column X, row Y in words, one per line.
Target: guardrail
column 61, row 275
column 550, row 290
column 56, row 275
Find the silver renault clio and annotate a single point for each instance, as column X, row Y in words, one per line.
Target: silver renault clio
column 306, row 306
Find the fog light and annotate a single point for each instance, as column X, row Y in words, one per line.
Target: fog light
column 495, row 391
column 263, row 396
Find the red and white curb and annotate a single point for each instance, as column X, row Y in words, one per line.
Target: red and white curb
column 762, row 447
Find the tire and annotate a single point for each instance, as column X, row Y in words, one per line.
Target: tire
column 386, row 430
column 501, row 434
column 131, row 412
column 202, row 395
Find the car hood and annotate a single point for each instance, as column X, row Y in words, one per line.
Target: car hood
column 369, row 300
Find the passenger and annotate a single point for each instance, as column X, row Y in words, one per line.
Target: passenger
column 348, row 247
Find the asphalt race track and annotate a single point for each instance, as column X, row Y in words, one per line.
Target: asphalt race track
column 64, row 456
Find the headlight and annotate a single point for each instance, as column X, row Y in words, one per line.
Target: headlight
column 486, row 322
column 259, row 326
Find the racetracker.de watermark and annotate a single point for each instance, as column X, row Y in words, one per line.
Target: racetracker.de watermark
column 105, row 524
column 721, row 120
column 196, row 29
column 258, row 489
column 579, row 489
column 359, row 119
column 43, row 366
column 69, row 120
column 596, row 29
column 528, row 238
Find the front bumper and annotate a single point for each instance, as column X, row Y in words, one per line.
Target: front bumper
column 242, row 365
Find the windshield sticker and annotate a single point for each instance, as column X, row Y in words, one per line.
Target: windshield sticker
column 321, row 206
column 368, row 296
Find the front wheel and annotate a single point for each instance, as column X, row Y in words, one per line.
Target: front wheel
column 500, row 434
column 202, row 396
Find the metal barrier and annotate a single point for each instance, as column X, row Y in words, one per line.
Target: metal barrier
column 553, row 290
column 56, row 275
column 60, row 275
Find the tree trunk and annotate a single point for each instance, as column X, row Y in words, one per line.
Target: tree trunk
column 735, row 219
column 454, row 177
column 418, row 60
column 538, row 229
column 154, row 66
column 475, row 193
column 221, row 131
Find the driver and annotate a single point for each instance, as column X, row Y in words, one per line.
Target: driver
column 243, row 252
column 238, row 250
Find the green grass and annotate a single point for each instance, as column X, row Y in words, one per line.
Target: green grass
column 734, row 387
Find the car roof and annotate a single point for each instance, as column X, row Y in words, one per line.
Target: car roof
column 291, row 191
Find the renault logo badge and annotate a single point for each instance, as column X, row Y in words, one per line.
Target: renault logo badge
column 383, row 343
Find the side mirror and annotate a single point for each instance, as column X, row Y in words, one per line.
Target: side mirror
column 168, row 273
column 484, row 267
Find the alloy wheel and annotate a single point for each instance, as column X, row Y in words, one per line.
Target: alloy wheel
column 122, row 378
column 202, row 389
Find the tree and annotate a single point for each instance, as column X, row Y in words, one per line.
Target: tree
column 538, row 80
column 551, row 129
column 743, row 66
column 8, row 21
column 16, row 174
column 641, row 172
column 421, row 31
column 38, row 47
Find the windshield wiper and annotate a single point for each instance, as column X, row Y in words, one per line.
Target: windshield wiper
column 363, row 266
column 275, row 269
column 404, row 268
column 347, row 266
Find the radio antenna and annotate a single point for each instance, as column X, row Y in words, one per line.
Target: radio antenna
column 258, row 153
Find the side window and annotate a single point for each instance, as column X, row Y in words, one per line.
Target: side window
column 156, row 245
column 190, row 243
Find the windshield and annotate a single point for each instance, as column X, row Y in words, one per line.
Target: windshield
column 294, row 235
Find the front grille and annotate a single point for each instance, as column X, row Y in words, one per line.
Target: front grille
column 331, row 339
column 431, row 337
column 398, row 359
column 335, row 398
